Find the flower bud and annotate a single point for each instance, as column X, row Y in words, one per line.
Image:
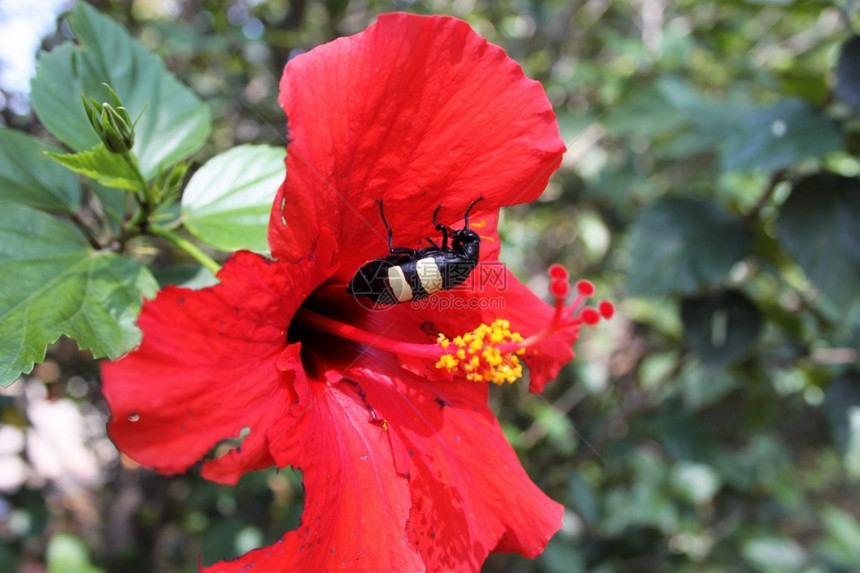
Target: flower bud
column 117, row 104
column 117, row 134
column 111, row 122
column 174, row 179
column 92, row 108
column 168, row 186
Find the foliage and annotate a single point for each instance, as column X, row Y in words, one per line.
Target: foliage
column 227, row 202
column 711, row 184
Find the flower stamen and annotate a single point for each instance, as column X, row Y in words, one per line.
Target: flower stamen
column 482, row 355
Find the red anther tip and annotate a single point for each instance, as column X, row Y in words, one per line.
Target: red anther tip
column 558, row 272
column 585, row 288
column 607, row 309
column 590, row 316
column 559, row 289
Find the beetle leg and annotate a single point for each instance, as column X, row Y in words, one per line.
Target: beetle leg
column 387, row 227
column 392, row 249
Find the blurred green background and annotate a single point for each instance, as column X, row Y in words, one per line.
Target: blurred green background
column 710, row 189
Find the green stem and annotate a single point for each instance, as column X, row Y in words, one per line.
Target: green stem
column 140, row 223
column 186, row 246
column 88, row 232
column 131, row 160
column 775, row 179
column 137, row 222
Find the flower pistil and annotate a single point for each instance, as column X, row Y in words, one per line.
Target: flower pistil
column 490, row 352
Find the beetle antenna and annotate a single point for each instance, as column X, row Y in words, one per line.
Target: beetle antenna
column 466, row 216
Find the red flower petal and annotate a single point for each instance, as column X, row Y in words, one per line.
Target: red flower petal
column 202, row 350
column 254, row 453
column 357, row 506
column 415, row 111
column 401, row 475
column 470, row 494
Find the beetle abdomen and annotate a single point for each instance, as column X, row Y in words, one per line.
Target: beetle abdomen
column 390, row 281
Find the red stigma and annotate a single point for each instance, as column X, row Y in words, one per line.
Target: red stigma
column 607, row 309
column 558, row 273
column 590, row 316
column 585, row 288
column 559, row 288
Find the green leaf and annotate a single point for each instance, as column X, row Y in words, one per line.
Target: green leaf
column 111, row 202
column 667, row 105
column 54, row 284
column 187, row 276
column 100, row 164
column 703, row 385
column 8, row 557
column 561, row 556
column 819, row 226
column 30, row 178
column 227, row 201
column 583, row 498
column 842, row 406
column 848, row 74
column 683, row 246
column 175, row 124
column 772, row 554
column 696, row 483
column 721, row 327
column 841, row 543
column 675, row 117
column 67, row 553
column 779, row 136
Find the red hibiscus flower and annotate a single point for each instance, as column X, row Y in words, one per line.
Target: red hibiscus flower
column 405, row 467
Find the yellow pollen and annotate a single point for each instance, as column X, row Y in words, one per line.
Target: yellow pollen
column 477, row 354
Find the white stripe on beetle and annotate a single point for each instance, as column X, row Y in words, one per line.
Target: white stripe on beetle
column 429, row 275
column 399, row 285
